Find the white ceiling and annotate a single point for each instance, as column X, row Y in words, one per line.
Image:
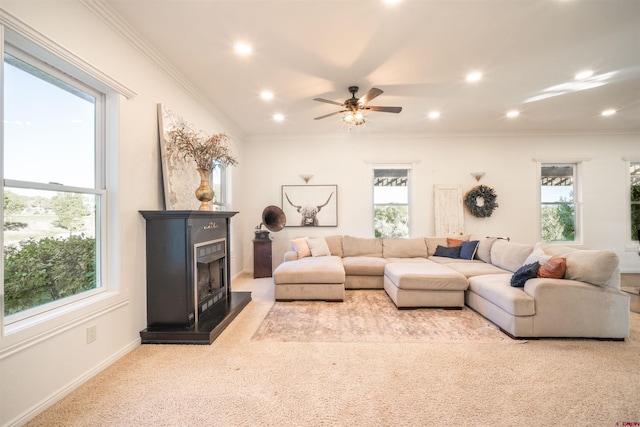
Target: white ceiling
column 417, row 51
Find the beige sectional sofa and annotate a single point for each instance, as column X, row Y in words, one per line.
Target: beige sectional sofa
column 586, row 302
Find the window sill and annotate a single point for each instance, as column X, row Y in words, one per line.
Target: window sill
column 28, row 332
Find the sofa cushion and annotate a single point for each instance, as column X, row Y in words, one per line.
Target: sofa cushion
column 473, row 267
column 525, row 273
column 326, row 269
column 408, row 260
column 335, row 245
column 425, row 276
column 592, row 266
column 404, row 248
column 433, row 243
column 483, row 253
column 508, row 255
column 497, row 289
column 318, row 247
column 364, row 265
column 301, row 247
column 553, row 269
column 361, row 246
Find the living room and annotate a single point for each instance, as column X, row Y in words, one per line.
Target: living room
column 44, row 361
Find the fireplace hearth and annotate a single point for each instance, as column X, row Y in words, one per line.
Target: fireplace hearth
column 189, row 297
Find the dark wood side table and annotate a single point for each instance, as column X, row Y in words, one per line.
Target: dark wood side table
column 262, row 265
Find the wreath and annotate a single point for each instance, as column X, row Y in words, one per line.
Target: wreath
column 488, row 196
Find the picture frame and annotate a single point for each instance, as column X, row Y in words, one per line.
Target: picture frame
column 180, row 178
column 310, row 205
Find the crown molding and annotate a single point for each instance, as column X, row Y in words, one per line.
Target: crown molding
column 25, row 31
column 121, row 27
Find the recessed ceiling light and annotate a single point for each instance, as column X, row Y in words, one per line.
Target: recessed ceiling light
column 609, row 112
column 584, row 75
column 278, row 117
column 391, row 1
column 266, row 95
column 434, row 114
column 513, row 113
column 474, row 77
column 243, row 48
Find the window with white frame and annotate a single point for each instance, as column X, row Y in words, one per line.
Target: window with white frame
column 634, row 190
column 391, row 202
column 559, row 210
column 219, row 186
column 54, row 186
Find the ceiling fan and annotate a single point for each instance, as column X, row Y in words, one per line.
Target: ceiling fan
column 354, row 107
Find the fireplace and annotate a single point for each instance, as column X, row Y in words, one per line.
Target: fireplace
column 189, row 298
column 210, row 279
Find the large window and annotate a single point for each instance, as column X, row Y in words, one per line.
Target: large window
column 391, row 202
column 54, row 190
column 634, row 181
column 559, row 205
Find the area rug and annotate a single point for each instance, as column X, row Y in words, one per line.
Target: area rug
column 630, row 290
column 371, row 316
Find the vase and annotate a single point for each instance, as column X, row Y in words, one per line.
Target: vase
column 204, row 193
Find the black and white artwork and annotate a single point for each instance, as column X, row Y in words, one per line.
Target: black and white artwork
column 310, row 205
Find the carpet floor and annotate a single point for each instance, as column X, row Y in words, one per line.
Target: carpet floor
column 246, row 378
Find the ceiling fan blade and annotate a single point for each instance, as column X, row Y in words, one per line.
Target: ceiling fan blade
column 331, row 114
column 328, row 102
column 373, row 92
column 384, row 109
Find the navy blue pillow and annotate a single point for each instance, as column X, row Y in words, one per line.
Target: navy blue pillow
column 452, row 252
column 468, row 249
column 524, row 273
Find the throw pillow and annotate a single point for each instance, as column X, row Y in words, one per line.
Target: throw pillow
column 454, row 242
column 538, row 255
column 524, row 273
column 468, row 249
column 319, row 247
column 444, row 251
column 300, row 247
column 553, row 269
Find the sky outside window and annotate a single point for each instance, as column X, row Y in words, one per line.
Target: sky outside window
column 46, row 129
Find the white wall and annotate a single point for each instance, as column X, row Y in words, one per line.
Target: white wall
column 37, row 371
column 508, row 162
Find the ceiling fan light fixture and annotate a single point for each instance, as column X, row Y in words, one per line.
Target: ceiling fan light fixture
column 353, row 108
column 474, row 76
column 585, row 74
column 243, row 49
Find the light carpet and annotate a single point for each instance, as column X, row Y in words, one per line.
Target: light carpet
column 238, row 381
column 371, row 316
column 630, row 290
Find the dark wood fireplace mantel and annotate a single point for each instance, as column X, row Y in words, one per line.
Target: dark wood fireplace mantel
column 174, row 313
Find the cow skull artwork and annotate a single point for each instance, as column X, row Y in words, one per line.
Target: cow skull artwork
column 309, row 212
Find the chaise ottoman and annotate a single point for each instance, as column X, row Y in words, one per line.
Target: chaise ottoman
column 424, row 284
column 311, row 278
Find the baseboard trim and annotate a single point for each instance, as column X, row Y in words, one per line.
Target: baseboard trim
column 71, row 386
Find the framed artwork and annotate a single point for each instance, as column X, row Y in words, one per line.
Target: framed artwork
column 310, row 205
column 180, row 178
